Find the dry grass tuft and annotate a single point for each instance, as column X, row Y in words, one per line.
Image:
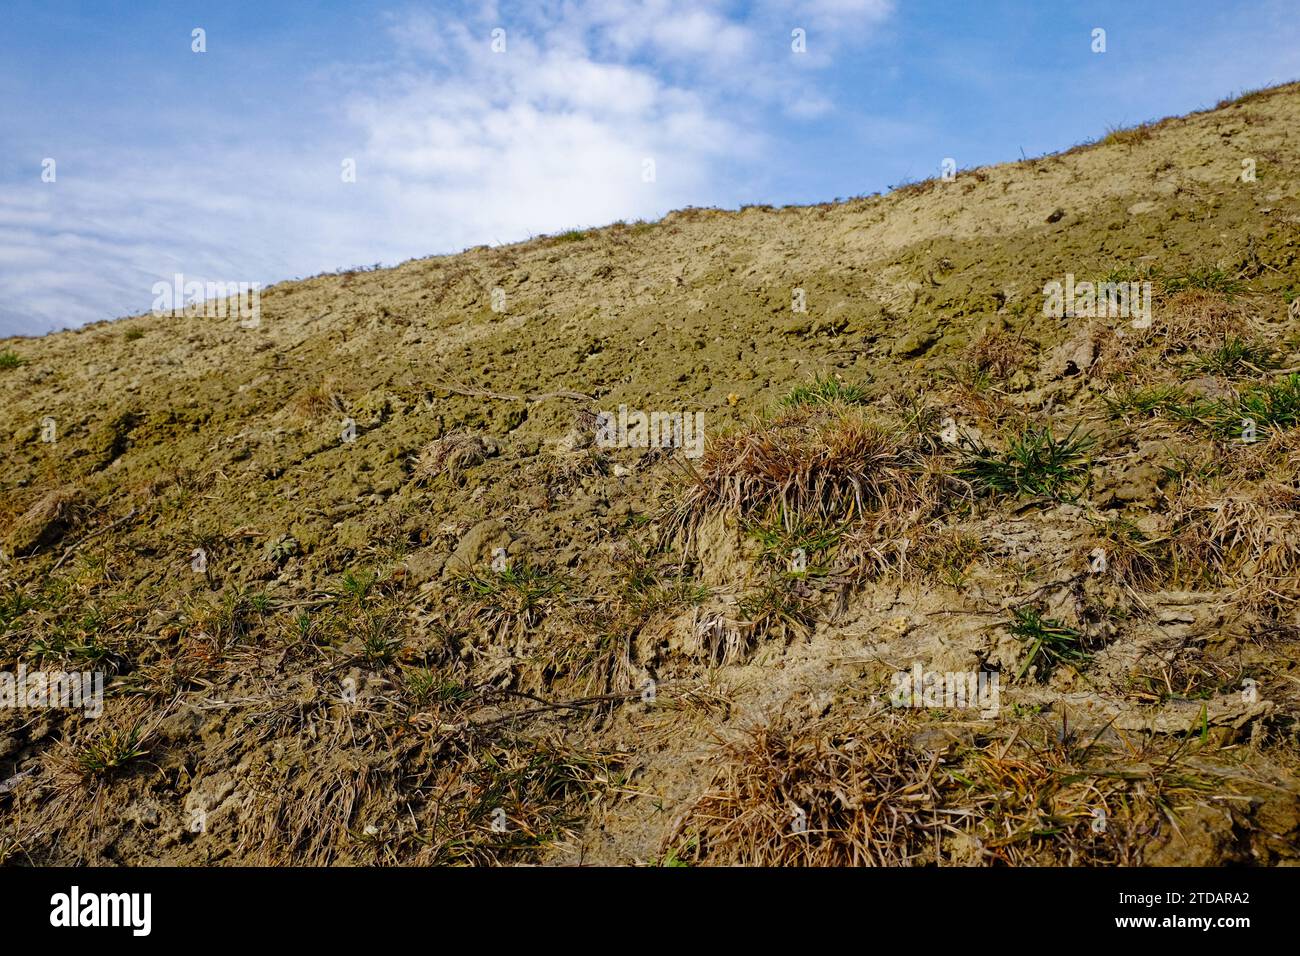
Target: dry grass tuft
column 846, row 792
column 451, row 455
column 997, row 353
column 1132, row 556
column 815, row 466
column 820, row 794
column 318, row 401
column 1246, row 535
column 1129, row 136
column 47, row 520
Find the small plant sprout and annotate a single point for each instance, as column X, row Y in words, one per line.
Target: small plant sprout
column 1035, row 463
column 824, row 390
column 111, row 750
column 1048, row 642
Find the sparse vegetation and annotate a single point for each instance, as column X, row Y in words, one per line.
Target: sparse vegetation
column 1235, row 357
column 1128, row 135
column 111, row 750
column 448, row 641
column 1048, row 643
column 825, row 390
column 1205, row 279
column 1035, row 463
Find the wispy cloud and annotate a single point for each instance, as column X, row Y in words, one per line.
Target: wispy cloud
column 578, row 114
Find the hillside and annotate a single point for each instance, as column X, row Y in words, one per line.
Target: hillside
column 281, row 543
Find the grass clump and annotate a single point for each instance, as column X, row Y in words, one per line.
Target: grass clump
column 111, row 750
column 1238, row 533
column 1235, row 357
column 833, row 793
column 425, row 686
column 1205, row 279
column 825, row 390
column 1048, row 642
column 997, row 354
column 1132, row 556
column 1274, row 405
column 1128, row 135
column 514, row 600
column 11, row 359
column 1148, row 402
column 452, row 455
column 784, row 546
column 1035, row 463
column 947, row 555
column 814, row 466
column 513, row 798
column 856, row 791
column 780, row 606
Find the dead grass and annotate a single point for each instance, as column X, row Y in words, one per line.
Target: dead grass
column 997, row 353
column 860, row 792
column 820, row 794
column 1243, row 534
column 47, row 520
column 1132, row 556
column 823, row 466
column 1130, row 135
column 318, row 401
column 451, row 455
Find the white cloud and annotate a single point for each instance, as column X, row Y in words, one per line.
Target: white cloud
column 455, row 145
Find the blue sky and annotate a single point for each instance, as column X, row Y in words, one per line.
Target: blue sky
column 227, row 165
